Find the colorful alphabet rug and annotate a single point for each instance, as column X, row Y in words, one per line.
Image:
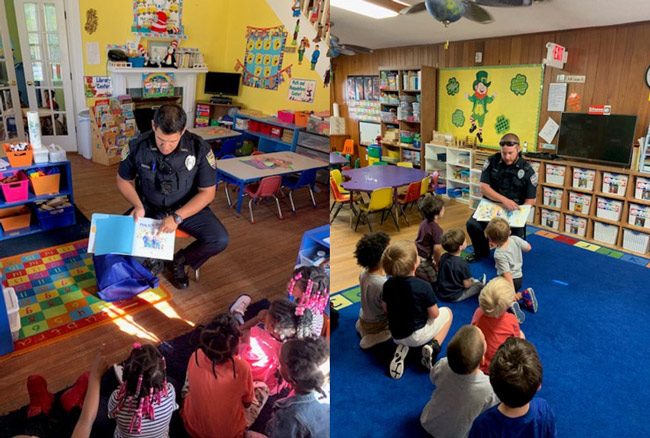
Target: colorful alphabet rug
column 56, row 290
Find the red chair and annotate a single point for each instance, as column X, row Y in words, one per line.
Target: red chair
column 340, row 199
column 411, row 196
column 267, row 188
column 257, row 153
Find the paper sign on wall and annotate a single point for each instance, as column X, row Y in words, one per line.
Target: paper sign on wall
column 98, row 86
column 556, row 97
column 302, row 90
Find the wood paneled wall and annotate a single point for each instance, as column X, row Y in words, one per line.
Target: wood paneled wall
column 613, row 59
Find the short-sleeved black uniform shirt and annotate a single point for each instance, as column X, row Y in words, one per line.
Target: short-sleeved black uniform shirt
column 517, row 181
column 407, row 300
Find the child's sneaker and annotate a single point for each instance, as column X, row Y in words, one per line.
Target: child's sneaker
column 521, row 316
column 529, row 300
column 396, row 368
column 484, row 279
column 238, row 308
column 430, row 353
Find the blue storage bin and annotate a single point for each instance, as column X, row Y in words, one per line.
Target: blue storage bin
column 137, row 62
column 50, row 219
column 456, row 192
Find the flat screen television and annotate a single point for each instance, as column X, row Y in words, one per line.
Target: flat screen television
column 222, row 83
column 598, row 139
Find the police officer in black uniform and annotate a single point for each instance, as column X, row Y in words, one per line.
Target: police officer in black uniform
column 170, row 174
column 509, row 180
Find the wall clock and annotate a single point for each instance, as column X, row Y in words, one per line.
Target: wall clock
column 647, row 77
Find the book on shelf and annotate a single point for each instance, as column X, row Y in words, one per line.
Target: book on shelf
column 115, row 234
column 488, row 210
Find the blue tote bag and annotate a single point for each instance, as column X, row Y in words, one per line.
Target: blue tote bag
column 121, row 277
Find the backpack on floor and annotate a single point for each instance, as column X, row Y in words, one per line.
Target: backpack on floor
column 121, row 277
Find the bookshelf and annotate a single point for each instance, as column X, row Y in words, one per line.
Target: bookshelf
column 456, row 172
column 408, row 104
column 608, row 206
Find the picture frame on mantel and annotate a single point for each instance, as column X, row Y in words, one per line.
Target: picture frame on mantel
column 157, row 51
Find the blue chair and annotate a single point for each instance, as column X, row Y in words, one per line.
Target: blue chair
column 306, row 178
column 229, row 147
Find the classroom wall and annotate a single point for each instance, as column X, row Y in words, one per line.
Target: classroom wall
column 218, row 29
column 613, row 59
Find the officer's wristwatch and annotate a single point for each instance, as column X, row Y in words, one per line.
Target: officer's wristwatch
column 177, row 218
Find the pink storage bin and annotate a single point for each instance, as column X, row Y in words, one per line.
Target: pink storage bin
column 16, row 191
column 286, row 116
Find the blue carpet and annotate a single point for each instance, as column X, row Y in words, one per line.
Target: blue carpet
column 590, row 332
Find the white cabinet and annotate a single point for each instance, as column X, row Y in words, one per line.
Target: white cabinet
column 454, row 166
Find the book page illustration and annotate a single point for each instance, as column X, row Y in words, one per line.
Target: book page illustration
column 148, row 242
column 487, row 210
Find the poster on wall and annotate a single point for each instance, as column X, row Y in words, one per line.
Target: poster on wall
column 302, row 90
column 98, row 86
column 157, row 84
column 262, row 64
column 157, row 17
column 487, row 102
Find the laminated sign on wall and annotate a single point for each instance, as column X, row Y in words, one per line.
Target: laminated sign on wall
column 302, row 90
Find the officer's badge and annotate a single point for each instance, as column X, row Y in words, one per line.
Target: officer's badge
column 521, row 173
column 125, row 152
column 486, row 164
column 533, row 179
column 211, row 160
column 190, row 161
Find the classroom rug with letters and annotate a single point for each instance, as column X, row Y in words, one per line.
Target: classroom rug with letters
column 57, row 294
column 590, row 332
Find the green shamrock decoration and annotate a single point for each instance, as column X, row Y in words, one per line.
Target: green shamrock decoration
column 458, row 118
column 453, row 87
column 519, row 84
column 502, row 125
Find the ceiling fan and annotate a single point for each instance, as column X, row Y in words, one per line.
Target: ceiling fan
column 450, row 11
column 337, row 49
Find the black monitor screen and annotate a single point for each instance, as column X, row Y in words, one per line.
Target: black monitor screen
column 600, row 139
column 222, row 83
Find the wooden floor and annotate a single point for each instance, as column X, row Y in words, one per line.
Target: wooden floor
column 258, row 261
column 343, row 266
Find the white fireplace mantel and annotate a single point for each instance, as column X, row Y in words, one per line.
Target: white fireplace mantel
column 124, row 78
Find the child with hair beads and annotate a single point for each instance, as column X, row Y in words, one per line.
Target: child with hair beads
column 493, row 318
column 305, row 365
column 143, row 404
column 516, row 376
column 429, row 238
column 413, row 315
column 309, row 289
column 372, row 324
column 215, row 372
column 462, row 390
column 508, row 259
column 455, row 282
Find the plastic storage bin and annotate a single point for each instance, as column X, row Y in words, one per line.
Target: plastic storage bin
column 276, row 131
column 605, row 233
column 552, row 197
column 301, row 118
column 41, row 155
column 19, row 158
column 609, row 209
column 60, row 217
column 639, row 215
column 46, row 184
column 579, row 202
column 636, row 241
column 286, row 116
column 575, row 225
column 614, row 183
column 583, row 178
column 555, row 174
column 642, row 188
column 13, row 314
column 57, row 153
column 15, row 218
column 16, row 191
column 551, row 219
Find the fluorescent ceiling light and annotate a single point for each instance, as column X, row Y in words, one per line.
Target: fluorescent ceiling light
column 364, row 8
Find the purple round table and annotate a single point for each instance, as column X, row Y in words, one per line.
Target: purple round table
column 338, row 159
column 367, row 179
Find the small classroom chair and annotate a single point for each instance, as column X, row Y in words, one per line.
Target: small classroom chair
column 340, row 199
column 229, row 147
column 306, row 178
column 257, row 152
column 405, row 164
column 411, row 196
column 266, row 188
column 338, row 179
column 381, row 201
column 348, row 148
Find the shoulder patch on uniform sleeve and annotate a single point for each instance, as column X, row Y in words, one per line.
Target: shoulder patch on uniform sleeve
column 534, row 178
column 486, row 164
column 125, row 152
column 211, row 160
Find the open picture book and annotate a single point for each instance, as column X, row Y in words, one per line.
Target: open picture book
column 487, row 210
column 115, row 234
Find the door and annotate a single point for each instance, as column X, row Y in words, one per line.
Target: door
column 43, row 41
column 11, row 127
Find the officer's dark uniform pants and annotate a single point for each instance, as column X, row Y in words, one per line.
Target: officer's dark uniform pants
column 476, row 231
column 210, row 234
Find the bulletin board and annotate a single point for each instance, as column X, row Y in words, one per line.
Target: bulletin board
column 491, row 100
column 263, row 58
column 368, row 132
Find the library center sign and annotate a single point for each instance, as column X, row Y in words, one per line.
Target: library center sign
column 488, row 102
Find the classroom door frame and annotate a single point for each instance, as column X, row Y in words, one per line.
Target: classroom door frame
column 9, row 92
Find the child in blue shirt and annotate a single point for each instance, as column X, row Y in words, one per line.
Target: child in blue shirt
column 516, row 376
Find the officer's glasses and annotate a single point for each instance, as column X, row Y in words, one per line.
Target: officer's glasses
column 508, row 143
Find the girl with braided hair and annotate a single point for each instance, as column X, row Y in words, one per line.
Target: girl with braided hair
column 144, row 402
column 216, row 373
column 305, row 365
column 309, row 289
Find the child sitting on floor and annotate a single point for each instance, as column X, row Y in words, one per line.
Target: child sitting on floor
column 413, row 315
column 493, row 318
column 215, row 372
column 462, row 390
column 429, row 239
column 508, row 259
column 309, row 289
column 305, row 365
column 372, row 324
column 455, row 282
column 144, row 402
column 516, row 376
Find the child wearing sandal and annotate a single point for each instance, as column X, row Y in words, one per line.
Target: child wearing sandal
column 372, row 324
column 414, row 318
column 455, row 281
column 508, row 259
column 493, row 318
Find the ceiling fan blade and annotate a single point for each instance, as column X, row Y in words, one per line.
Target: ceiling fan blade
column 504, row 3
column 353, row 48
column 344, row 50
column 334, row 40
column 476, row 13
column 418, row 7
column 388, row 4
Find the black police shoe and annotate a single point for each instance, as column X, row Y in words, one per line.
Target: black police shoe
column 179, row 279
column 153, row 265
